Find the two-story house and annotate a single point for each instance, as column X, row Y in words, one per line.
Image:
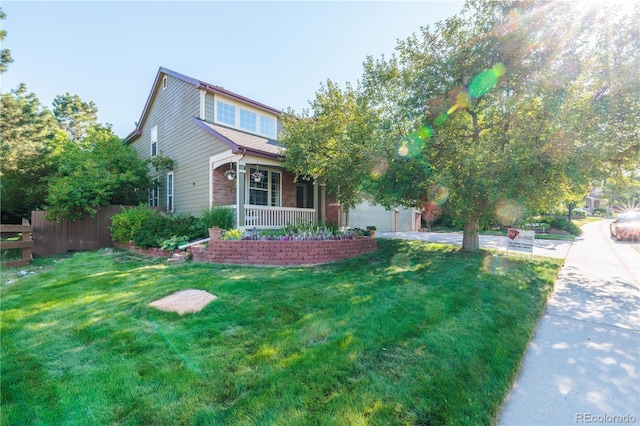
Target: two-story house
column 225, row 151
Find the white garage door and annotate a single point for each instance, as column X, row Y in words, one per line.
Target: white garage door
column 366, row 214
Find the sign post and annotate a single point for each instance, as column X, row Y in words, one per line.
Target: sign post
column 520, row 240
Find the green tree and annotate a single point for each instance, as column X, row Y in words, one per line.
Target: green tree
column 27, row 132
column 5, row 54
column 98, row 171
column 74, row 115
column 487, row 93
column 333, row 144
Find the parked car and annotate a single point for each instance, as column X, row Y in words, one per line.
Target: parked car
column 626, row 226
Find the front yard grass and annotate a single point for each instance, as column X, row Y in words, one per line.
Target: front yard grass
column 414, row 333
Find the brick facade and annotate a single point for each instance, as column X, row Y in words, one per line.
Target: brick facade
column 224, row 190
column 288, row 189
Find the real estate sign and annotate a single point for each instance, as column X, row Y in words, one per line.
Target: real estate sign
column 520, row 240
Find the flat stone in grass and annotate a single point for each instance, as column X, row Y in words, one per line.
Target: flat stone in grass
column 184, row 301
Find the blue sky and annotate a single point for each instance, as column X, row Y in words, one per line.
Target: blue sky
column 276, row 53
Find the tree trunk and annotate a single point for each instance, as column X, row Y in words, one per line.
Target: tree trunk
column 470, row 236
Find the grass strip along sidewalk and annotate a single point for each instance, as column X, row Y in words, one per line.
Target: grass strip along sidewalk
column 414, row 333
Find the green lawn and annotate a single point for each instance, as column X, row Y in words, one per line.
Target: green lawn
column 414, row 333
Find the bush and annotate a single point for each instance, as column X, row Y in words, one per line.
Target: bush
column 600, row 212
column 125, row 224
column 232, row 234
column 563, row 224
column 147, row 227
column 218, row 216
column 174, row 242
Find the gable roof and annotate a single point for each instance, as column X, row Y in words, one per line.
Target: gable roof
column 210, row 88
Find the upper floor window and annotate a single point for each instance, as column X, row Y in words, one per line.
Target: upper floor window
column 164, row 82
column 226, row 113
column 242, row 116
column 268, row 126
column 154, row 141
column 247, row 120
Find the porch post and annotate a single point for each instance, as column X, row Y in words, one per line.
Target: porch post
column 323, row 195
column 316, row 200
column 237, row 195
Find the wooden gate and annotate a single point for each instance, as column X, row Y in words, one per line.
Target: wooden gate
column 25, row 245
column 89, row 233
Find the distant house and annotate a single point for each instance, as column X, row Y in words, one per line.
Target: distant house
column 225, row 151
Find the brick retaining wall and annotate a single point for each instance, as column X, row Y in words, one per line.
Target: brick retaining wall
column 281, row 253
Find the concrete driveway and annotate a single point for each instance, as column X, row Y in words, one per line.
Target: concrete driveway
column 548, row 248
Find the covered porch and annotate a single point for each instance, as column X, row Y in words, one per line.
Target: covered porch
column 263, row 194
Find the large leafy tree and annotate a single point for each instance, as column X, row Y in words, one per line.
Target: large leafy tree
column 5, row 54
column 333, row 143
column 27, row 131
column 98, row 171
column 489, row 93
column 74, row 115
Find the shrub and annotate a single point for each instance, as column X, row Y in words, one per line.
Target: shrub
column 600, row 212
column 125, row 224
column 174, row 242
column 232, row 234
column 563, row 224
column 218, row 216
column 147, row 227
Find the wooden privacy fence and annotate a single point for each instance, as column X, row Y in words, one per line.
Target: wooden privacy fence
column 26, row 244
column 89, row 233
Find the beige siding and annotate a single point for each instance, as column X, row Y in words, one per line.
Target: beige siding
column 209, row 107
column 190, row 147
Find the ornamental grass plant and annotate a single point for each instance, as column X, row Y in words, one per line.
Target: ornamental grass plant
column 414, row 333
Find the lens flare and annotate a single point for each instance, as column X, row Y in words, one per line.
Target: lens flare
column 401, row 261
column 495, row 265
column 463, row 100
column 486, row 80
column 438, row 194
column 379, row 168
column 508, row 212
column 426, row 132
column 441, row 119
column 411, row 145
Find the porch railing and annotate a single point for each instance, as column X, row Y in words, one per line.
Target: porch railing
column 263, row 217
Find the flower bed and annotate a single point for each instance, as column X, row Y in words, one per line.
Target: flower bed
column 281, row 253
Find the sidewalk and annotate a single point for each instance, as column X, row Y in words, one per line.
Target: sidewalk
column 583, row 365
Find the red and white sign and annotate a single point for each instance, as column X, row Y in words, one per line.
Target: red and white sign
column 520, row 240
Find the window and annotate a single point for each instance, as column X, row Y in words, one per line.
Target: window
column 154, row 141
column 164, row 82
column 267, row 126
column 247, row 120
column 226, row 113
column 267, row 192
column 275, row 189
column 154, row 196
column 170, row 192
